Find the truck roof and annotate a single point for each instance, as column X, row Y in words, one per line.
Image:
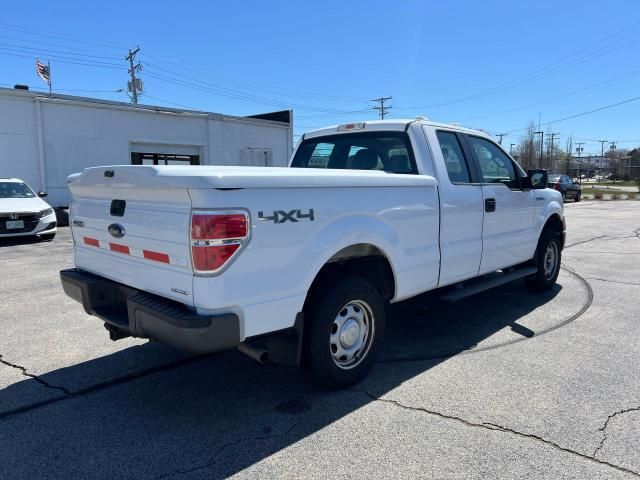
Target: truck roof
column 394, row 124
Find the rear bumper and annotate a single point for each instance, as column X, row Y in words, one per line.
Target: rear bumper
column 144, row 315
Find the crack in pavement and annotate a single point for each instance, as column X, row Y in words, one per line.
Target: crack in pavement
column 213, row 460
column 68, row 394
column 611, row 281
column 499, row 428
column 24, row 372
column 604, row 427
column 585, row 241
column 636, row 234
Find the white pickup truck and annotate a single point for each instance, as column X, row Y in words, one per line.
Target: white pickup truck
column 295, row 265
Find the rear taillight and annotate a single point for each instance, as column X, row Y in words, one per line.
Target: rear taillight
column 215, row 238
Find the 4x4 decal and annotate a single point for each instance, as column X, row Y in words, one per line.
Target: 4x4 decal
column 280, row 216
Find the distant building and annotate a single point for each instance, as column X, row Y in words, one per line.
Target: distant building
column 630, row 165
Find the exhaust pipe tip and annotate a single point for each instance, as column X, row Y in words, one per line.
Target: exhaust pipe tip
column 260, row 355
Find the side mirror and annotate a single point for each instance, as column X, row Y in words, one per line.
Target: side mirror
column 42, row 194
column 538, row 179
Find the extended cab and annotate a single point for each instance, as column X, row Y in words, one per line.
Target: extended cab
column 296, row 264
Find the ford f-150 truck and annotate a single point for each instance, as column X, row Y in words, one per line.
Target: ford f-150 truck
column 296, row 265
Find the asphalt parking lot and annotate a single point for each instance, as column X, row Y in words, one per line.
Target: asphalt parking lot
column 506, row 384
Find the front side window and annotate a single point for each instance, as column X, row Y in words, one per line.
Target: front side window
column 454, row 159
column 15, row 190
column 387, row 151
column 495, row 165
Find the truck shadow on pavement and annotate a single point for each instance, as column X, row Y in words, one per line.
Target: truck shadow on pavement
column 213, row 416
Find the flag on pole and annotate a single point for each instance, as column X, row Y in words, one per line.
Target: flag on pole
column 43, row 71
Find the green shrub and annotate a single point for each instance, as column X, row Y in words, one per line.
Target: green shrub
column 598, row 196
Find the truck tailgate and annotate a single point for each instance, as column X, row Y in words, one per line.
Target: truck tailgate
column 133, row 233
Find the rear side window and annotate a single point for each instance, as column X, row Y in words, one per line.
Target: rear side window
column 454, row 159
column 387, row 151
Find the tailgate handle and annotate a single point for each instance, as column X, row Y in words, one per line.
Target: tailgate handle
column 117, row 208
column 490, row 205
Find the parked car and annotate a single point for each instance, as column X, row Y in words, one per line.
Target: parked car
column 567, row 187
column 23, row 212
column 296, row 264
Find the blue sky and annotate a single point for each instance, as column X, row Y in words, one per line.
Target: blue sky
column 494, row 65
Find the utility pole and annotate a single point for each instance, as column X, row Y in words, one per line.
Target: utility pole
column 501, row 135
column 602, row 142
column 382, row 110
column 541, row 133
column 579, row 149
column 136, row 84
column 553, row 135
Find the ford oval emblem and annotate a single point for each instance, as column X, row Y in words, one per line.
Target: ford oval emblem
column 116, row 230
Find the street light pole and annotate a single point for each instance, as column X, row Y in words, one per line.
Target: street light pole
column 541, row 133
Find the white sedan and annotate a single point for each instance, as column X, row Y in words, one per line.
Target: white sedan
column 23, row 212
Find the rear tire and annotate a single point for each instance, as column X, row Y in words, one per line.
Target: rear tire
column 547, row 259
column 344, row 330
column 578, row 196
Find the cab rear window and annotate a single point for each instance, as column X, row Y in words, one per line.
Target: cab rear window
column 387, row 151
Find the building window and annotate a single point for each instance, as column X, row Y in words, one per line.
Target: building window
column 139, row 158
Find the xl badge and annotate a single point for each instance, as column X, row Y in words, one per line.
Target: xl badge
column 280, row 216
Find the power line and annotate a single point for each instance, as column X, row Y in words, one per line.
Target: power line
column 552, row 99
column 60, row 59
column 330, row 115
column 629, row 100
column 550, row 69
column 146, row 95
column 233, row 93
column 38, row 43
column 61, row 36
column 202, row 85
column 38, row 50
column 264, row 86
column 183, row 65
column 382, row 110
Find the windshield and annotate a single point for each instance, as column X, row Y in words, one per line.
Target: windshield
column 387, row 151
column 15, row 190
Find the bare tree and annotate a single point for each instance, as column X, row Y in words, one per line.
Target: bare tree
column 527, row 151
column 569, row 157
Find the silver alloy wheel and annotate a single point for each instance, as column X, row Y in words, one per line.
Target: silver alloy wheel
column 551, row 260
column 351, row 334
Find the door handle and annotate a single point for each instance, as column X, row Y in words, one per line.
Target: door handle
column 489, row 204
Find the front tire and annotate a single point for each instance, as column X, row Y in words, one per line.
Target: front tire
column 344, row 329
column 547, row 259
column 578, row 196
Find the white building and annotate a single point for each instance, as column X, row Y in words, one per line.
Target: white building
column 44, row 139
